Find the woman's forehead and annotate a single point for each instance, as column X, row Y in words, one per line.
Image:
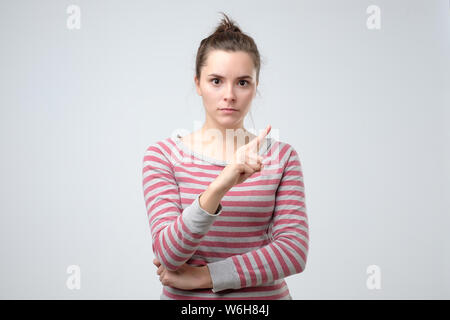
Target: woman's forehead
column 229, row 63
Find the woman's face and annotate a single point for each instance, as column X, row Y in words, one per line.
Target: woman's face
column 228, row 80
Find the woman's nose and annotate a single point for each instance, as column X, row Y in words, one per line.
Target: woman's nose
column 229, row 94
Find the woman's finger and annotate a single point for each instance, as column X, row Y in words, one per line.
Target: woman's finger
column 248, row 170
column 255, row 144
column 160, row 269
column 254, row 166
column 254, row 159
column 248, row 155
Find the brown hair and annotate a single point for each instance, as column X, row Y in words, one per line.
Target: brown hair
column 228, row 37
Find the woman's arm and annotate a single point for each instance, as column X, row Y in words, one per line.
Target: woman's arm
column 187, row 277
column 176, row 233
column 287, row 253
column 210, row 199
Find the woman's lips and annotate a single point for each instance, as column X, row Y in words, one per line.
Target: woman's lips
column 227, row 110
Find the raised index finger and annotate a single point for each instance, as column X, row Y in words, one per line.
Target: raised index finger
column 258, row 140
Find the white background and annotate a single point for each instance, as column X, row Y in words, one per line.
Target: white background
column 367, row 111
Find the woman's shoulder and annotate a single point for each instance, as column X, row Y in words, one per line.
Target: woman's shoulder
column 162, row 147
column 162, row 144
column 280, row 146
column 282, row 151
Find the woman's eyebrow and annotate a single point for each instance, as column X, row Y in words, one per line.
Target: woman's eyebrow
column 219, row 76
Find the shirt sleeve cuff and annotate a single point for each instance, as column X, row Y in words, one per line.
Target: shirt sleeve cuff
column 197, row 219
column 224, row 275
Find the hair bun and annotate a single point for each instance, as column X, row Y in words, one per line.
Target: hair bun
column 227, row 25
column 228, row 28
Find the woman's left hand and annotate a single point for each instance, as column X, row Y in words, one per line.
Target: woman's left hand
column 186, row 277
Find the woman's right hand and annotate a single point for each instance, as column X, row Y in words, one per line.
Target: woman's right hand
column 246, row 161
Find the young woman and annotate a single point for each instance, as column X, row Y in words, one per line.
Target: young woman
column 226, row 208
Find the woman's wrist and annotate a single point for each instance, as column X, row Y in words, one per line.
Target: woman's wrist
column 210, row 199
column 218, row 189
column 205, row 278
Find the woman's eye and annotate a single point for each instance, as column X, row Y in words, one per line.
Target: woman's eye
column 241, row 81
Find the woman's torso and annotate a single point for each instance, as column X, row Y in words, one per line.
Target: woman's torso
column 245, row 221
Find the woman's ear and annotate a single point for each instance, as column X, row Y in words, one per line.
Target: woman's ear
column 197, row 86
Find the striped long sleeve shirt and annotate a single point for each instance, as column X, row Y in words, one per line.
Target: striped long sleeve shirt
column 258, row 236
